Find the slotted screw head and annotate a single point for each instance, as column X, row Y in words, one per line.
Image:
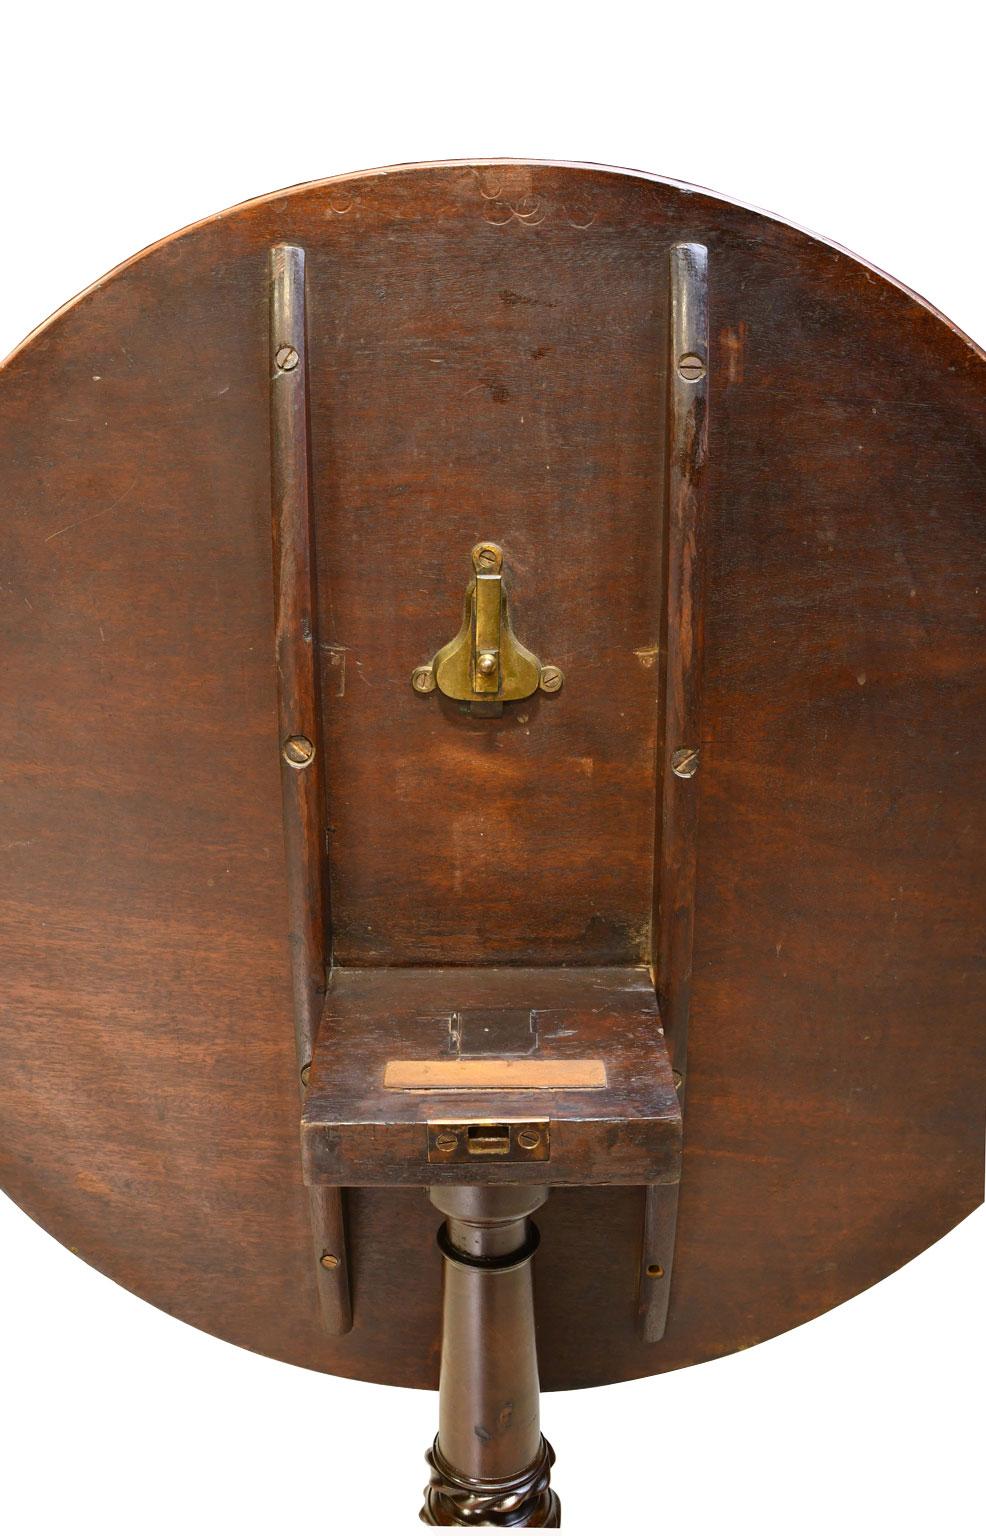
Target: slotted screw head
column 286, row 358
column 446, row 1141
column 329, row 1261
column 691, row 366
column 298, row 751
column 551, row 679
column 423, row 680
column 487, row 557
column 684, row 762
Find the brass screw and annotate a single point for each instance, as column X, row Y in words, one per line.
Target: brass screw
column 329, row 1261
column 446, row 1141
column 551, row 679
column 528, row 1140
column 691, row 367
column 487, row 557
column 676, row 1078
column 306, row 1073
column 655, row 1271
column 423, row 680
column 684, row 762
column 286, row 358
column 298, row 751
column 487, row 663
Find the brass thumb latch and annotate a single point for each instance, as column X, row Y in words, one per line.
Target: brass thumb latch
column 485, row 664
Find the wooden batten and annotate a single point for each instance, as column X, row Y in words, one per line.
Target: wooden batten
column 296, row 651
column 680, row 739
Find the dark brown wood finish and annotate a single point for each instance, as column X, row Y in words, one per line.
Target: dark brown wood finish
column 679, row 759
column 295, row 646
column 490, row 1464
column 623, row 1129
column 685, row 540
column 460, row 394
column 300, row 732
column 487, row 352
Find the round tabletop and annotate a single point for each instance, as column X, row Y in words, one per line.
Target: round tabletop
column 486, row 359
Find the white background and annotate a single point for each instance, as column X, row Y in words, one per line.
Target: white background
column 123, row 123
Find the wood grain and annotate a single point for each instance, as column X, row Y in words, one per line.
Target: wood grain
column 486, row 360
column 622, row 1128
column 299, row 724
column 679, row 756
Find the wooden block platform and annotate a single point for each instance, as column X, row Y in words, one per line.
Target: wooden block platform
column 553, row 1075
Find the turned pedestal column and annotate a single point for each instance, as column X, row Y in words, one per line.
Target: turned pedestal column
column 490, row 1463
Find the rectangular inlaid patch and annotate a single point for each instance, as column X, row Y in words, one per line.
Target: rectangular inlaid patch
column 488, row 1072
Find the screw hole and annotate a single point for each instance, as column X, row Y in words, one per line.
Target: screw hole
column 655, row 1271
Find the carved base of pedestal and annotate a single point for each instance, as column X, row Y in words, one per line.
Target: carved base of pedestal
column 523, row 1500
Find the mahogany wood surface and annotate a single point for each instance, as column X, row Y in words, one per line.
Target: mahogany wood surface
column 487, row 359
column 624, row 1128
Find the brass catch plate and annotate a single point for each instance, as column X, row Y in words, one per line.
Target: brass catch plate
column 486, row 664
column 485, row 1141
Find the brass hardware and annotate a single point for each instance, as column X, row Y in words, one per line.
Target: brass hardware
column 684, row 762
column 486, row 665
column 471, row 1141
column 488, row 1141
column 329, row 1261
column 286, row 358
column 691, row 367
column 423, row 680
column 298, row 751
column 494, row 1032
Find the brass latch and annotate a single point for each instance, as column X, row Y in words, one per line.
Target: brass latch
column 486, row 665
column 469, row 1141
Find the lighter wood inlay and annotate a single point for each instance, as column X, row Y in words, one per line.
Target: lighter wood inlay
column 491, row 1073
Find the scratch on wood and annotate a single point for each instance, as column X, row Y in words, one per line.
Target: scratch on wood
column 103, row 512
column 337, row 662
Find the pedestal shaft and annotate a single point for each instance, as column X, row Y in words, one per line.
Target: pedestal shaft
column 490, row 1464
